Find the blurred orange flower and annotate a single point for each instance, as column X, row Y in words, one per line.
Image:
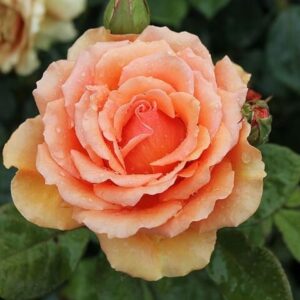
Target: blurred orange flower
column 29, row 24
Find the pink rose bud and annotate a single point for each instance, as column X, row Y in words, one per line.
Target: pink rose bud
column 257, row 113
column 126, row 16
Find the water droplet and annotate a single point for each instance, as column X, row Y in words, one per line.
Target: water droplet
column 246, row 158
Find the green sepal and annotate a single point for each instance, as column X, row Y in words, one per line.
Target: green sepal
column 126, row 16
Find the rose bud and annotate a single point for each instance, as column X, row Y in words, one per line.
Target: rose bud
column 257, row 113
column 126, row 16
column 140, row 139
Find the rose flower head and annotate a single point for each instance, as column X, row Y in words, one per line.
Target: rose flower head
column 26, row 25
column 140, row 139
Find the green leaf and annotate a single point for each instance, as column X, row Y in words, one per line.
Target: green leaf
column 168, row 12
column 288, row 223
column 95, row 279
column 258, row 233
column 196, row 285
column 34, row 261
column 283, row 47
column 243, row 271
column 209, row 7
column 294, row 200
column 283, row 176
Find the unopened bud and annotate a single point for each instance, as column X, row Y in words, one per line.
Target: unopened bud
column 257, row 113
column 126, row 16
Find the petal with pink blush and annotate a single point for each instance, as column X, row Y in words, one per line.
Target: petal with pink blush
column 187, row 108
column 49, row 88
column 218, row 149
column 81, row 76
column 197, row 63
column 126, row 222
column 199, row 206
column 160, row 66
column 139, row 85
column 60, row 136
column 95, row 140
column 94, row 174
column 211, row 108
column 177, row 40
column 248, row 187
column 232, row 115
column 155, row 98
column 39, row 203
column 72, row 190
column 109, row 68
column 159, row 257
column 202, row 144
column 230, row 79
column 20, row 150
column 111, row 193
column 93, row 36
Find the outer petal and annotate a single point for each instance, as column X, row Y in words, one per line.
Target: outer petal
column 178, row 41
column 109, row 68
column 73, row 191
column 231, row 79
column 124, row 223
column 199, row 207
column 60, row 136
column 92, row 36
column 49, row 87
column 39, row 203
column 248, row 187
column 159, row 257
column 20, row 151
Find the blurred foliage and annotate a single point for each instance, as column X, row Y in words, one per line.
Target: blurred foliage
column 264, row 37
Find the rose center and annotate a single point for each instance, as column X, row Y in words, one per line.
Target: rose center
column 163, row 135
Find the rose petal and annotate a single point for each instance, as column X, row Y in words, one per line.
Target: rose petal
column 109, row 68
column 60, row 136
column 49, row 87
column 160, row 66
column 124, row 223
column 220, row 146
column 39, row 203
column 94, row 174
column 211, row 108
column 178, row 41
column 230, row 79
column 159, row 257
column 95, row 140
column 139, row 85
column 248, row 186
column 20, row 150
column 232, row 114
column 197, row 63
column 92, row 36
column 187, row 108
column 129, row 196
column 72, row 190
column 202, row 204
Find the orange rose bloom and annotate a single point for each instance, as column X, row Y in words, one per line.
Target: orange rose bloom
column 140, row 139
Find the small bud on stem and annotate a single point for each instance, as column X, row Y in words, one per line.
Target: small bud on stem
column 126, row 16
column 257, row 113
